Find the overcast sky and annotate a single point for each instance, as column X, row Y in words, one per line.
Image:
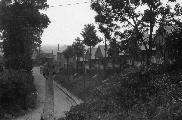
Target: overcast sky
column 67, row 22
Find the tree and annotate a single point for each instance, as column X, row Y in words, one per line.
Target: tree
column 171, row 48
column 21, row 25
column 68, row 53
column 79, row 50
column 90, row 38
column 113, row 51
column 134, row 23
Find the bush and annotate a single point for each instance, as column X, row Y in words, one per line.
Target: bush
column 18, row 62
column 134, row 95
column 17, row 92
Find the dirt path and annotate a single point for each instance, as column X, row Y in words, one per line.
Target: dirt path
column 62, row 101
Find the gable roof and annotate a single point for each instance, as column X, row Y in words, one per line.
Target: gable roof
column 101, row 51
column 93, row 51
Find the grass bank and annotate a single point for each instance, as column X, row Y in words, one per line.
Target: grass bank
column 130, row 95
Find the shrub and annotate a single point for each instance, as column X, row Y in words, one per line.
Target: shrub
column 17, row 92
column 18, row 62
column 148, row 94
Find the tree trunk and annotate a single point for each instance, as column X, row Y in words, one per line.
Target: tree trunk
column 149, row 51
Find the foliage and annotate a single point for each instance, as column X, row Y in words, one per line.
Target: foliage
column 21, row 25
column 90, row 37
column 114, row 49
column 17, row 93
column 68, row 53
column 79, row 50
column 78, row 47
column 133, row 95
column 173, row 45
column 134, row 24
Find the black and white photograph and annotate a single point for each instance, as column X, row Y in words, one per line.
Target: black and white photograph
column 90, row 59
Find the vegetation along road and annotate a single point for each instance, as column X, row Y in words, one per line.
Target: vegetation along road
column 62, row 98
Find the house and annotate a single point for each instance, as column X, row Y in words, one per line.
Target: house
column 87, row 58
column 87, row 55
column 100, row 55
column 44, row 57
column 101, row 52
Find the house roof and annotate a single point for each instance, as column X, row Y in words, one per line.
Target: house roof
column 102, row 50
column 93, row 51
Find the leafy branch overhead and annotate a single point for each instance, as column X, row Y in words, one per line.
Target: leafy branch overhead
column 21, row 25
column 136, row 21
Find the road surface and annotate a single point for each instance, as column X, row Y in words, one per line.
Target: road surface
column 62, row 100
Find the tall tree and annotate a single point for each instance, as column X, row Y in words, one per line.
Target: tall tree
column 135, row 23
column 79, row 49
column 90, row 38
column 21, row 25
column 171, row 45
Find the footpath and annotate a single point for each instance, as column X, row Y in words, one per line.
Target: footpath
column 63, row 99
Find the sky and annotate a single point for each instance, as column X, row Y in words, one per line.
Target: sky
column 67, row 22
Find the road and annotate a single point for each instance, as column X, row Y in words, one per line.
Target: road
column 62, row 102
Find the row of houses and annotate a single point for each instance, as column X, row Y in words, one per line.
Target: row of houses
column 100, row 60
column 83, row 62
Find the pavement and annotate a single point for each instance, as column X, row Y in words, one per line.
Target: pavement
column 63, row 99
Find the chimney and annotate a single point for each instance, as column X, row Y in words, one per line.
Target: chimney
column 58, row 47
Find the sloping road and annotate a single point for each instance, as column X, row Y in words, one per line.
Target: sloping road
column 62, row 101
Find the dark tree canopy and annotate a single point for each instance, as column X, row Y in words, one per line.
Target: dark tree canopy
column 21, row 25
column 135, row 24
column 90, row 37
column 78, row 47
column 68, row 52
